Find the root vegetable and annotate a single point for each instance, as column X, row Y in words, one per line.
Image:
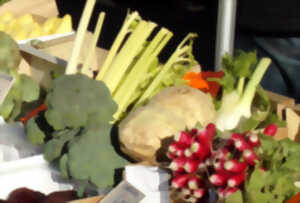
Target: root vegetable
column 170, row 111
column 235, row 166
column 250, row 157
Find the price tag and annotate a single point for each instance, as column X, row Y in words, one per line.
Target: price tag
column 123, row 193
column 6, row 82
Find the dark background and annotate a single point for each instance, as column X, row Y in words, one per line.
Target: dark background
column 254, row 18
column 179, row 16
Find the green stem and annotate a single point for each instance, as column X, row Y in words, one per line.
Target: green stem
column 126, row 56
column 257, row 76
column 240, row 86
column 124, row 93
column 129, row 21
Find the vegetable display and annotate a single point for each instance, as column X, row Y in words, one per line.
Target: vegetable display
column 253, row 167
column 24, row 89
column 212, row 131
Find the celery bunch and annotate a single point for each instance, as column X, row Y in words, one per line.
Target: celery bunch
column 132, row 70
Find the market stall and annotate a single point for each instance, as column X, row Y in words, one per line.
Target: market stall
column 84, row 124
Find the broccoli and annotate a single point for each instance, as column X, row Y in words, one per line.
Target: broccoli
column 75, row 101
column 79, row 112
column 24, row 88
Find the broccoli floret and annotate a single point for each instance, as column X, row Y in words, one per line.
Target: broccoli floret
column 80, row 110
column 76, row 101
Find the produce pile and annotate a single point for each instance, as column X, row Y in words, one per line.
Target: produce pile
column 27, row 27
column 212, row 131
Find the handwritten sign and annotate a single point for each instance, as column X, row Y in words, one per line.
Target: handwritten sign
column 124, row 193
column 6, row 82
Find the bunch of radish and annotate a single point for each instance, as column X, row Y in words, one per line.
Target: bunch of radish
column 199, row 162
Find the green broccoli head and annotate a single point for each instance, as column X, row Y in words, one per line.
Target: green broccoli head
column 10, row 56
column 76, row 101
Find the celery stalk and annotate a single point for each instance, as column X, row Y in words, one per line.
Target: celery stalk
column 83, row 24
column 131, row 18
column 127, row 54
column 90, row 54
column 181, row 53
column 127, row 89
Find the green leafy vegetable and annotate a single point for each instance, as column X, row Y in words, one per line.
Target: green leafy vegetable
column 276, row 183
column 75, row 101
column 24, row 88
column 80, row 110
column 34, row 133
column 235, row 197
column 240, row 84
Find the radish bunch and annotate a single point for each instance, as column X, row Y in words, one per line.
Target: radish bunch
column 199, row 162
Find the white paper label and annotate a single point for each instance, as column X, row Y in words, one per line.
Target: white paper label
column 123, row 193
column 152, row 181
column 6, row 82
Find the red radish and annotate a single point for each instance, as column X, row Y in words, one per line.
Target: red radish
column 178, row 173
column 193, row 131
column 180, row 181
column 235, row 166
column 171, row 155
column 194, row 183
column 223, row 154
column 188, row 153
column 178, row 164
column 200, row 150
column 237, row 136
column 236, row 180
column 184, row 139
column 173, row 147
column 211, row 129
column 218, row 179
column 204, row 137
column 271, row 130
column 180, row 152
column 250, row 157
column 241, row 145
column 191, row 165
column 253, row 140
column 218, row 165
column 199, row 193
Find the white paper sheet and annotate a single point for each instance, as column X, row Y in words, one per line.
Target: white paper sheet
column 152, row 181
column 14, row 144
